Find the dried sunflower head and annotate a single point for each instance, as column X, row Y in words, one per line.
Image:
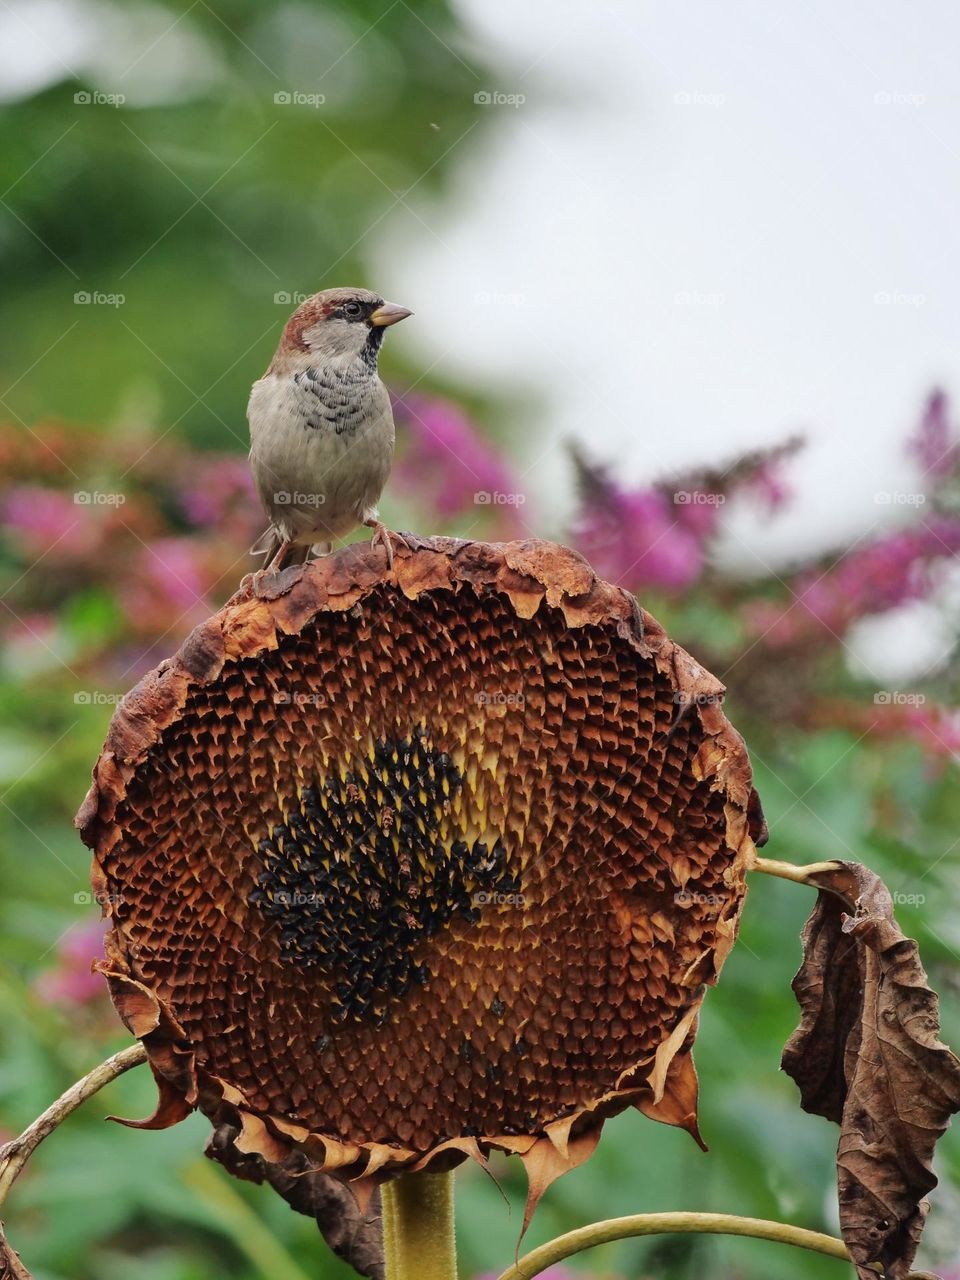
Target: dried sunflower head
column 405, row 865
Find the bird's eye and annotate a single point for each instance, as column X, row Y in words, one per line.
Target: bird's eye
column 353, row 309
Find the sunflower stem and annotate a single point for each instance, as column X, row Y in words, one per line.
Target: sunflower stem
column 16, row 1153
column 648, row 1224
column 791, row 871
column 418, row 1228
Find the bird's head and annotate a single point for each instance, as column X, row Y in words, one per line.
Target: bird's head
column 340, row 324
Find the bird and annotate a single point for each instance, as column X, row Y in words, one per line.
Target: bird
column 321, row 427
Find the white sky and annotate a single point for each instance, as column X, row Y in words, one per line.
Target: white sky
column 679, row 279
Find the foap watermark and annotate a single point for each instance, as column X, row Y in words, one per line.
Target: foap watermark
column 898, row 698
column 488, row 498
column 289, row 298
column 696, row 298
column 692, row 898
column 486, row 898
column 297, row 899
column 291, row 698
column 97, row 98
column 499, row 698
column 96, row 698
column 898, row 298
column 697, row 98
column 497, row 98
column 95, row 498
column 298, row 98
column 94, row 298
column 492, row 298
column 86, row 898
column 901, row 899
column 698, row 498
column 899, row 498
column 684, row 698
column 284, row 498
column 898, row 98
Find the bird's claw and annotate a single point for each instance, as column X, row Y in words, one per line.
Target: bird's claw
column 277, row 563
column 382, row 538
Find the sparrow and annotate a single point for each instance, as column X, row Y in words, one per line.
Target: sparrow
column 321, row 427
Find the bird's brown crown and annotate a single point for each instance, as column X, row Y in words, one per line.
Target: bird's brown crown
column 319, row 306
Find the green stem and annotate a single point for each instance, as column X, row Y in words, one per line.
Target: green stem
column 648, row 1224
column 418, row 1230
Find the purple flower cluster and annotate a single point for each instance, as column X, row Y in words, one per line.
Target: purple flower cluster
column 215, row 490
column 769, row 485
column 934, row 445
column 72, row 981
column 640, row 538
column 449, row 467
column 889, row 571
column 657, row 536
column 161, row 531
column 42, row 521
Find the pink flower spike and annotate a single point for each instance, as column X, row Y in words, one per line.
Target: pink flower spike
column 442, row 456
column 48, row 520
column 639, row 538
column 72, row 981
column 934, row 444
column 768, row 484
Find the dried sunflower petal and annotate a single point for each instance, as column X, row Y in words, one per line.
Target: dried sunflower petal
column 406, row 864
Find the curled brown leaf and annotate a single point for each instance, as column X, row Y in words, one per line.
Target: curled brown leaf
column 867, row 1055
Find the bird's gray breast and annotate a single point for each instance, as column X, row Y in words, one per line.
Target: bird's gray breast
column 340, row 401
column 321, row 449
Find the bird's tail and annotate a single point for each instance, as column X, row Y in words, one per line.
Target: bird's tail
column 267, row 544
column 271, row 540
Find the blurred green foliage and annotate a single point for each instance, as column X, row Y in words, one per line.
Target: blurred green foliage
column 200, row 206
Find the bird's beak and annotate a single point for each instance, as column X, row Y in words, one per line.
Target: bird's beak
column 389, row 313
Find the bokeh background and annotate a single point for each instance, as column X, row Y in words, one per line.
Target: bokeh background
column 683, row 284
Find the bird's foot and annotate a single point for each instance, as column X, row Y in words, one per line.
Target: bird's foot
column 276, row 564
column 382, row 537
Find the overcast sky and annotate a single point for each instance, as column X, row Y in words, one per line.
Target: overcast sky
column 706, row 227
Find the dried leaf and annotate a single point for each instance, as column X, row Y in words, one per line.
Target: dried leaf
column 867, row 1056
column 353, row 1236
